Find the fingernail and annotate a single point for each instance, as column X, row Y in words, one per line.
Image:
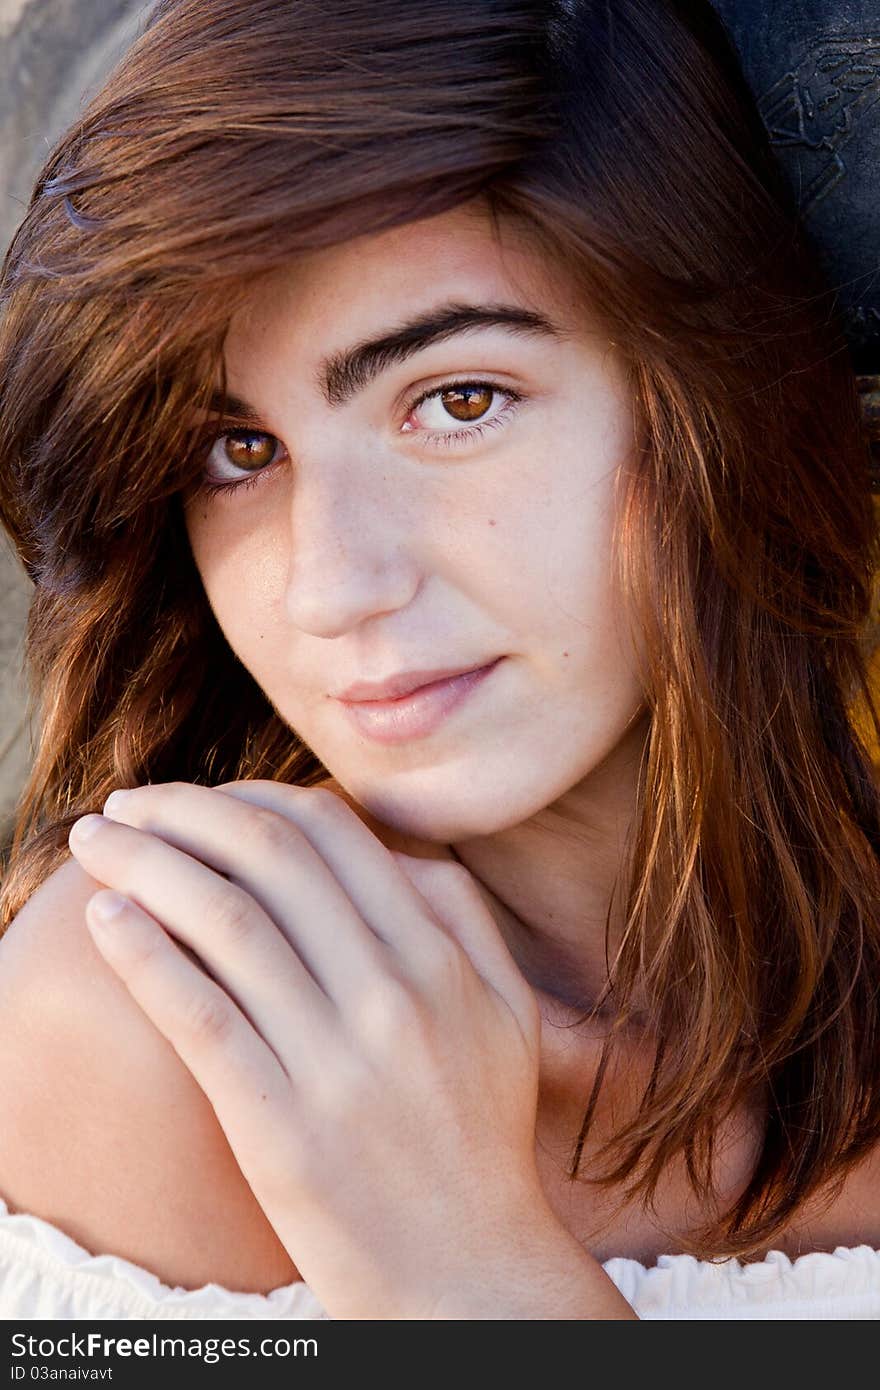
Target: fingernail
column 88, row 826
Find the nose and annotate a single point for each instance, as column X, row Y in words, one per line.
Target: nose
column 351, row 555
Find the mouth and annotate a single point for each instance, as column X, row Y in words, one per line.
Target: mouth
column 420, row 711
column 403, row 683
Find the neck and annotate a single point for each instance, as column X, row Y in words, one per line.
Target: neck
column 550, row 882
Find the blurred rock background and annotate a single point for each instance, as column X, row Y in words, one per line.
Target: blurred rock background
column 53, row 55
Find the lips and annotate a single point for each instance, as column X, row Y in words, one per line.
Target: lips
column 419, row 713
column 402, row 684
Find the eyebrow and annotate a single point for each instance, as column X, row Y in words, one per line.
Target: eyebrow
column 343, row 374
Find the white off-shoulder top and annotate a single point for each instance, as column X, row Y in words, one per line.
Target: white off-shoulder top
column 46, row 1274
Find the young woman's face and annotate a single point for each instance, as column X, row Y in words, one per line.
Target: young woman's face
column 438, row 501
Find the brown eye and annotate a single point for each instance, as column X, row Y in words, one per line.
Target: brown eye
column 466, row 402
column 474, row 405
column 249, row 449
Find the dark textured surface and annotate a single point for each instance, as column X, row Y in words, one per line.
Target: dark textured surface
column 814, row 67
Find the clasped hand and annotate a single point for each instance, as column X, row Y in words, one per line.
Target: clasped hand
column 368, row 1044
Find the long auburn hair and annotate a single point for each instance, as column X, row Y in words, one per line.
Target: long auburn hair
column 235, row 134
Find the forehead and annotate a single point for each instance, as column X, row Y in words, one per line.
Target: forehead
column 342, row 293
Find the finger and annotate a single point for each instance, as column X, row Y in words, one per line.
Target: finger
column 243, row 950
column 467, row 914
column 240, row 1074
column 458, row 905
column 267, row 857
column 386, row 898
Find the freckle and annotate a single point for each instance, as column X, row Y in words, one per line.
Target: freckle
column 565, row 653
column 491, row 523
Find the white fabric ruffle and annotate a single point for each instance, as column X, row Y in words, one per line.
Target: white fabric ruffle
column 844, row 1284
column 46, row 1274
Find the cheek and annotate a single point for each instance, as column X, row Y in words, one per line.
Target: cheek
column 561, row 556
column 571, row 563
column 583, row 613
column 242, row 579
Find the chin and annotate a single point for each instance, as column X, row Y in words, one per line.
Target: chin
column 434, row 817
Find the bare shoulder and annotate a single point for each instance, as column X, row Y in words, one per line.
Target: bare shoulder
column 104, row 1132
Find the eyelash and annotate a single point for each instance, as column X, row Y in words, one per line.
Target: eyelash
column 443, row 437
